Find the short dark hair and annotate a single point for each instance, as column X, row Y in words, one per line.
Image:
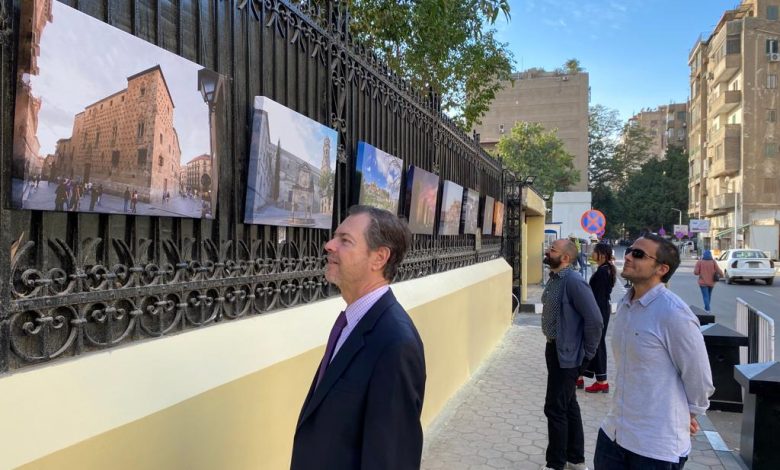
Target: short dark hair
column 667, row 254
column 385, row 229
column 570, row 248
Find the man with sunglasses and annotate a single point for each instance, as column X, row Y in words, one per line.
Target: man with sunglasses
column 663, row 377
column 571, row 321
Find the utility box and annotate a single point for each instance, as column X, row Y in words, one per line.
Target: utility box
column 705, row 317
column 760, row 423
column 723, row 350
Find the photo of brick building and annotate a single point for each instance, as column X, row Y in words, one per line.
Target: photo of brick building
column 127, row 140
column 117, row 142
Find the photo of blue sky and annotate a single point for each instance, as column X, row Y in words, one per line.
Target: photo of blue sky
column 380, row 173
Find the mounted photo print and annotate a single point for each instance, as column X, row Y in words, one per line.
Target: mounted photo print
column 107, row 122
column 379, row 178
column 292, row 168
column 422, row 192
column 498, row 218
column 469, row 212
column 451, row 202
column 486, row 215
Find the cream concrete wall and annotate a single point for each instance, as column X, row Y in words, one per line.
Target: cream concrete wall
column 229, row 396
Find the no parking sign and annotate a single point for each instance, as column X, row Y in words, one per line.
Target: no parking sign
column 593, row 221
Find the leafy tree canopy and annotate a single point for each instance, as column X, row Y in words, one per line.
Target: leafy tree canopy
column 649, row 196
column 530, row 150
column 448, row 46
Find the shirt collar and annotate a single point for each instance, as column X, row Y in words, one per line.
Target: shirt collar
column 646, row 299
column 560, row 274
column 357, row 309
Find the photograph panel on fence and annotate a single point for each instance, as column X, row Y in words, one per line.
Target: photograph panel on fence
column 422, row 190
column 379, row 177
column 486, row 214
column 292, row 168
column 498, row 218
column 469, row 211
column 451, row 202
column 109, row 123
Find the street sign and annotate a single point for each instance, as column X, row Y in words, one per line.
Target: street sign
column 700, row 225
column 680, row 231
column 593, row 221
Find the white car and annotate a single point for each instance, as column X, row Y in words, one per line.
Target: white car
column 746, row 264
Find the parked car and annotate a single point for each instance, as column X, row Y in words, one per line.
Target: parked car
column 746, row 264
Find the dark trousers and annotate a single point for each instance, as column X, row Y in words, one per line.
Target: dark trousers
column 564, row 423
column 610, row 456
column 598, row 365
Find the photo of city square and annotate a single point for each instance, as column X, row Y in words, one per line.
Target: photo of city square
column 487, row 215
column 422, row 191
column 292, row 168
column 379, row 177
column 470, row 211
column 107, row 122
column 451, row 202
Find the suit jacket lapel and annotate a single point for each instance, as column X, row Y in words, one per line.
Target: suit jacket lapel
column 344, row 356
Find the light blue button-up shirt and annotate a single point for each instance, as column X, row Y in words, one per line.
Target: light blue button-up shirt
column 663, row 375
column 355, row 312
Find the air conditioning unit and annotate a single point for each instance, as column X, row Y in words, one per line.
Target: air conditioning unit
column 774, row 57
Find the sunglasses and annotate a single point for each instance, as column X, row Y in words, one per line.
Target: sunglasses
column 639, row 253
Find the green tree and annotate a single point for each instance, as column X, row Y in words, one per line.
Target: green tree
column 603, row 139
column 648, row 198
column 530, row 150
column 630, row 152
column 448, row 47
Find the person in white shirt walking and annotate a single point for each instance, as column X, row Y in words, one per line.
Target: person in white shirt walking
column 663, row 378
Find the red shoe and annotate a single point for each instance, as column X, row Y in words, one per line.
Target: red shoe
column 597, row 387
column 580, row 384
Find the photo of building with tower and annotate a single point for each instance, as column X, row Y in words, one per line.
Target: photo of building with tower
column 116, row 143
column 292, row 168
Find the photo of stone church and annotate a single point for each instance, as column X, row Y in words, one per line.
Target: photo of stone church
column 292, row 168
column 112, row 123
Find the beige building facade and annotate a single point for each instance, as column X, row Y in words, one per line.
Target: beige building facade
column 192, row 174
column 558, row 101
column 126, row 140
column 734, row 134
column 667, row 126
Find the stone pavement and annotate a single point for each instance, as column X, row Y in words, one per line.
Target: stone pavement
column 497, row 419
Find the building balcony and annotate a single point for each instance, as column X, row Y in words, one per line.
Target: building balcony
column 726, row 67
column 728, row 164
column 725, row 102
column 721, row 202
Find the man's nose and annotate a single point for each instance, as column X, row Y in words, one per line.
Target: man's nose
column 329, row 245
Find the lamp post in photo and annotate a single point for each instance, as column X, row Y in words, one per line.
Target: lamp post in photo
column 680, row 213
column 211, row 86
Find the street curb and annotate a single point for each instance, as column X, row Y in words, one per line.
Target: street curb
column 730, row 459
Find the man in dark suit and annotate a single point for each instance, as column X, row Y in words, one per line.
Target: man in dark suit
column 363, row 407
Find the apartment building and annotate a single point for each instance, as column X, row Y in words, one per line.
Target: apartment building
column 667, row 125
column 556, row 100
column 734, row 134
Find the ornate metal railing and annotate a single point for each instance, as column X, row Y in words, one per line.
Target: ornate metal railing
column 71, row 283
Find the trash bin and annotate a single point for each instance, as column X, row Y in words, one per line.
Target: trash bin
column 723, row 350
column 705, row 317
column 760, row 426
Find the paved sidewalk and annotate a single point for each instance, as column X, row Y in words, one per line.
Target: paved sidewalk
column 497, row 419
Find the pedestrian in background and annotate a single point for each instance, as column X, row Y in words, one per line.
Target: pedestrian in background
column 601, row 283
column 709, row 273
column 572, row 324
column 127, row 198
column 661, row 368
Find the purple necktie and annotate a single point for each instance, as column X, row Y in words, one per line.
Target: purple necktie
column 335, row 332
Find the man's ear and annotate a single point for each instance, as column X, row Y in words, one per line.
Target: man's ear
column 380, row 257
column 664, row 268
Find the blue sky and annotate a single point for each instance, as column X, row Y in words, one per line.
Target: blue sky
column 635, row 51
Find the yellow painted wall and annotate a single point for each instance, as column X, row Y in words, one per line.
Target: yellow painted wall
column 535, row 246
column 228, row 396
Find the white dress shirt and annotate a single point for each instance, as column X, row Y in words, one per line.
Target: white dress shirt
column 663, row 375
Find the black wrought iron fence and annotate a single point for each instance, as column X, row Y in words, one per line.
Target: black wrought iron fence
column 75, row 282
